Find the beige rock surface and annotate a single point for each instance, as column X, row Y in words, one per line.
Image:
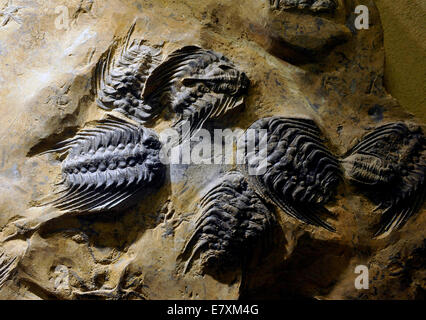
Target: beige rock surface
column 47, row 94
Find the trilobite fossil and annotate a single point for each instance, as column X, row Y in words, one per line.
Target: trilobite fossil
column 107, row 165
column 231, row 221
column 198, row 85
column 390, row 163
column 312, row 5
column 121, row 80
column 301, row 175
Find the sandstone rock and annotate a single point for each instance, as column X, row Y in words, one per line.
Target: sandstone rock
column 299, row 63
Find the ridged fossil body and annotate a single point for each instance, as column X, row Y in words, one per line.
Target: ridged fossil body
column 232, row 219
column 107, row 165
column 198, row 85
column 301, row 174
column 121, row 80
column 390, row 162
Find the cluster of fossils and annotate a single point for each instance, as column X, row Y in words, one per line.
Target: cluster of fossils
column 114, row 162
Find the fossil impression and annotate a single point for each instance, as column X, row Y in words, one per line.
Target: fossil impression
column 301, row 174
column 107, row 165
column 232, row 219
column 198, row 85
column 313, row 5
column 7, row 266
column 121, row 80
column 390, row 162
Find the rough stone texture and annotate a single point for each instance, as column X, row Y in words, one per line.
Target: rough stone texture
column 300, row 64
column 405, row 43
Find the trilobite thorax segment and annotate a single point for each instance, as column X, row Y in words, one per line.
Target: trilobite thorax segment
column 312, row 5
column 232, row 219
column 197, row 84
column 392, row 156
column 301, row 174
column 107, row 165
column 121, row 80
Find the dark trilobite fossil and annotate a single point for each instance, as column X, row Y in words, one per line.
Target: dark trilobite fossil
column 390, row 163
column 231, row 221
column 198, row 85
column 121, row 80
column 107, row 165
column 312, row 5
column 300, row 174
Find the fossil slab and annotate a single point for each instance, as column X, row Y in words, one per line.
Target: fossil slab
column 58, row 80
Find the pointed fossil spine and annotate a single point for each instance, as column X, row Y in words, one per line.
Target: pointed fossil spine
column 7, row 267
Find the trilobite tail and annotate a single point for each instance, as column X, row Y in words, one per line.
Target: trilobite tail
column 190, row 254
column 310, row 214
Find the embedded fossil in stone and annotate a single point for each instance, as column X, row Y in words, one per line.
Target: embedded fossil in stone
column 312, row 5
column 7, row 266
column 390, row 162
column 301, row 174
column 198, row 85
column 121, row 80
column 232, row 219
column 108, row 165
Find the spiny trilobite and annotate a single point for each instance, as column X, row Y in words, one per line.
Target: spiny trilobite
column 301, row 174
column 390, row 162
column 107, row 165
column 313, row 5
column 121, row 80
column 198, row 85
column 232, row 219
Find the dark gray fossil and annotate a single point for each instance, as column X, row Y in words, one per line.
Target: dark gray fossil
column 107, row 165
column 301, row 174
column 232, row 219
column 312, row 5
column 121, row 80
column 390, row 162
column 198, row 85
column 195, row 83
